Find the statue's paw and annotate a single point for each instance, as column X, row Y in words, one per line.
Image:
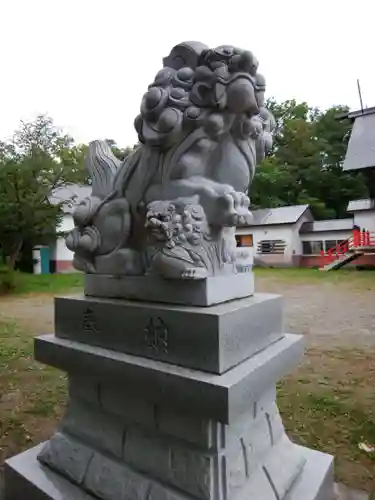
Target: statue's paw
column 194, row 273
column 235, row 209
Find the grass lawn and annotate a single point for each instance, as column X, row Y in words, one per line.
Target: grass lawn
column 57, row 283
column 314, row 276
column 328, row 403
column 47, row 283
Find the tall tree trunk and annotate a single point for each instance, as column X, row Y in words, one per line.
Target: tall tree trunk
column 14, row 253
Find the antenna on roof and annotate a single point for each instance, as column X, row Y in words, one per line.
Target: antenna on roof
column 360, row 94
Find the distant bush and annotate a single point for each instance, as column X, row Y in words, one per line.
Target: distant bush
column 7, row 279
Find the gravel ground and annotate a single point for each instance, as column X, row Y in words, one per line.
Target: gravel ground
column 327, row 313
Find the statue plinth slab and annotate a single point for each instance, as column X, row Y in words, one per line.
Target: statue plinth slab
column 27, row 478
column 222, row 397
column 204, row 293
column 213, row 339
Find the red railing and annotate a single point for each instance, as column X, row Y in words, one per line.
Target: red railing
column 358, row 240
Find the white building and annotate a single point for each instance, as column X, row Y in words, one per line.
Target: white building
column 322, row 235
column 363, row 213
column 275, row 236
column 289, row 236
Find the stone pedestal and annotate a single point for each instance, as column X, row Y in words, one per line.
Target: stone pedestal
column 207, row 292
column 170, row 402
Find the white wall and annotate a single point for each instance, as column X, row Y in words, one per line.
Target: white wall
column 60, row 250
column 279, row 232
column 285, row 232
column 326, row 235
column 365, row 219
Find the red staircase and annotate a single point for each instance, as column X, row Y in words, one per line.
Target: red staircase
column 358, row 244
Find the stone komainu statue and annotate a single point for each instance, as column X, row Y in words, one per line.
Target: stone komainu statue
column 171, row 207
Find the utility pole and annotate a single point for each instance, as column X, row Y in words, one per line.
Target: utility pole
column 360, row 94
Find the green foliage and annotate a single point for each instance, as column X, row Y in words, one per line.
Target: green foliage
column 49, row 283
column 305, row 165
column 30, row 166
column 25, row 212
column 7, row 279
column 121, row 153
column 39, row 158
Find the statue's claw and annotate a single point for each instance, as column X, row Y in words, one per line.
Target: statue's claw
column 234, row 209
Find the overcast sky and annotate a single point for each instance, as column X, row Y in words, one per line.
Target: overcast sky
column 87, row 63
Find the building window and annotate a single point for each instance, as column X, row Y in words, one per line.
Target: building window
column 312, row 247
column 245, row 240
column 271, row 246
column 339, row 242
column 330, row 244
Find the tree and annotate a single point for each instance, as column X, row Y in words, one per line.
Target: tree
column 72, row 160
column 333, row 185
column 305, row 165
column 39, row 158
column 121, row 153
column 272, row 185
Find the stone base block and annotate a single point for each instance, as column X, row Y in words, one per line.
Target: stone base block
column 27, row 479
column 114, row 459
column 212, row 339
column 316, row 482
column 221, row 397
column 206, row 292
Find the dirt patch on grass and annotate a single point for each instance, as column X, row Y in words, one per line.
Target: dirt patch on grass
column 32, row 312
